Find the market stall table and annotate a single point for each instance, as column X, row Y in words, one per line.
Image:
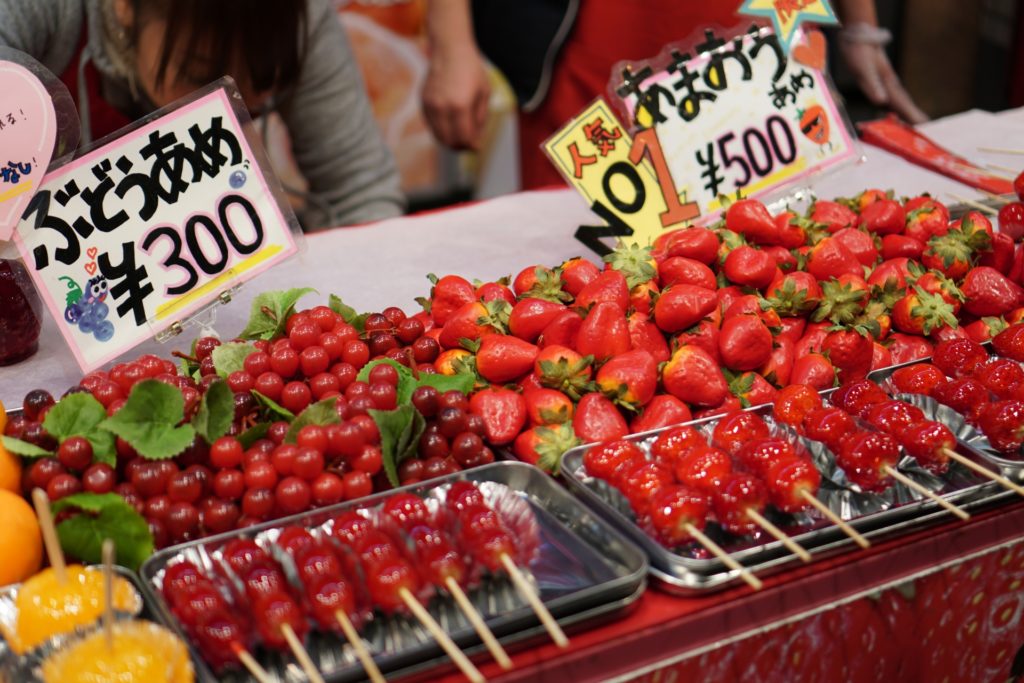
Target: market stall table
column 384, row 264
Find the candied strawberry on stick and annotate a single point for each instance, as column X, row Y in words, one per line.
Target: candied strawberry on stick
column 739, row 506
column 933, row 445
column 733, row 430
column 674, row 443
column 793, row 402
column 965, row 395
column 703, row 468
column 893, row 417
column 917, row 379
column 829, row 425
column 857, row 397
column 758, row 455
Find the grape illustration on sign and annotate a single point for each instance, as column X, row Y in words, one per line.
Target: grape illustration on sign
column 787, row 15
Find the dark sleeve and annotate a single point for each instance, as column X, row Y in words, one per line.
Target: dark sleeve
column 335, row 139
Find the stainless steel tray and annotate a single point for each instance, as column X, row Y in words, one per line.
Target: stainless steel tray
column 690, row 569
column 25, row 668
column 1012, row 467
column 584, row 570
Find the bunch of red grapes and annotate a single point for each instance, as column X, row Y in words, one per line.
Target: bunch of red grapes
column 688, row 481
column 212, row 488
column 358, row 568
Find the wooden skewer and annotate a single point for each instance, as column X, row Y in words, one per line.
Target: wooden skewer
column 835, row 519
column 527, row 591
column 777, row 533
column 984, row 471
column 369, row 666
column 50, row 540
column 725, row 557
column 911, row 484
column 251, row 665
column 482, row 630
column 984, row 208
column 443, row 639
column 1002, row 199
column 1001, row 150
column 107, row 552
column 300, row 654
column 1004, row 169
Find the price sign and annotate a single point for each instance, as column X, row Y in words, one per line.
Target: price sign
column 740, row 117
column 147, row 229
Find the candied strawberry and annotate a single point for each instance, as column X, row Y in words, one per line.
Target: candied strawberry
column 642, row 484
column 1003, row 423
column 828, row 425
column 892, row 417
column 735, row 429
column 792, row 403
column 958, row 357
column 603, row 459
column 1000, row 376
column 1010, row 342
column 865, row 456
column 674, row 443
column 927, row 442
column 738, row 494
column 857, row 398
column 677, row 509
column 789, row 480
column 917, row 379
column 703, row 468
column 759, row 455
column 966, row 396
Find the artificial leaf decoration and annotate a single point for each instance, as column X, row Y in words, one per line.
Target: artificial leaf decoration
column 102, row 516
column 216, row 411
column 270, row 311
column 319, row 413
column 149, row 421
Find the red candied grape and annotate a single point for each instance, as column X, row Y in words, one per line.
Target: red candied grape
column 346, row 331
column 368, row 460
column 284, row 361
column 37, row 436
column 98, row 478
column 451, row 421
column 324, row 317
column 62, row 485
column 293, row 495
column 304, row 335
column 261, row 475
column 433, row 445
column 384, row 374
column 185, row 487
column 322, row 384
column 381, row 343
column 357, row 389
column 361, row 405
column 206, row 369
column 434, row 467
column 454, row 398
column 332, row 344
column 157, row 507
column 357, row 484
column 346, row 440
column 229, row 484
column 384, row 396
column 283, row 458
column 36, row 403
column 314, row 360
column 42, row 471
column 426, row 399
column 408, row 330
column 356, row 353
column 150, row 479
column 410, row 471
column 425, row 350
column 182, row 521
column 75, row 453
column 270, row 385
column 277, row 431
column 312, row 436
column 245, row 404
column 226, row 452
column 466, row 447
column 393, row 314
column 376, row 322
column 106, row 392
column 220, row 516
column 368, row 426
column 205, row 346
column 161, row 539
column 346, row 374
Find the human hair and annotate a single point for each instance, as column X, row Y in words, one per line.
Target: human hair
column 266, row 38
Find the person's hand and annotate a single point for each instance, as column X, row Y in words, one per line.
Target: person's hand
column 877, row 79
column 455, row 97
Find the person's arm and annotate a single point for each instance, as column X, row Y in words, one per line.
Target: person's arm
column 456, row 91
column 862, row 45
column 47, row 30
column 335, row 139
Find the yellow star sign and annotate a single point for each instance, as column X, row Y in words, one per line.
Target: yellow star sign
column 787, row 15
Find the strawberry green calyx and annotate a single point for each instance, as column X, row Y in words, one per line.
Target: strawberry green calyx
column 954, row 247
column 788, row 301
column 933, row 310
column 841, row 303
column 548, row 286
column 994, row 324
column 498, row 312
column 571, row 378
column 554, row 441
column 634, row 262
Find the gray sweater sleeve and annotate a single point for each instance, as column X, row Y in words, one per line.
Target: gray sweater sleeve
column 335, row 139
column 48, row 30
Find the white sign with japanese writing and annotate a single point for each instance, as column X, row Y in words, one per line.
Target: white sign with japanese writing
column 143, row 231
column 740, row 116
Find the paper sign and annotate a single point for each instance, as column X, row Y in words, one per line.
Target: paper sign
column 788, row 15
column 609, row 168
column 28, row 129
column 143, row 231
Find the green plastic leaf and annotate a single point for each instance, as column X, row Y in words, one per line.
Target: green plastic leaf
column 406, row 383
column 81, row 415
column 149, row 419
column 320, row 413
column 273, row 408
column 228, row 358
column 253, row 434
column 104, row 515
column 270, row 311
column 400, row 432
column 23, row 448
column 347, row 313
column 216, row 412
column 460, row 382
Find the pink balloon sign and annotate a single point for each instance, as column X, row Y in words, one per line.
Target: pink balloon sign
column 28, row 129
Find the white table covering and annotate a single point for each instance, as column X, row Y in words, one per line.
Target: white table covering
column 385, row 264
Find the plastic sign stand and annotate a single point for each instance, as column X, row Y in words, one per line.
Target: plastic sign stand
column 142, row 234
column 37, row 121
column 741, row 118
